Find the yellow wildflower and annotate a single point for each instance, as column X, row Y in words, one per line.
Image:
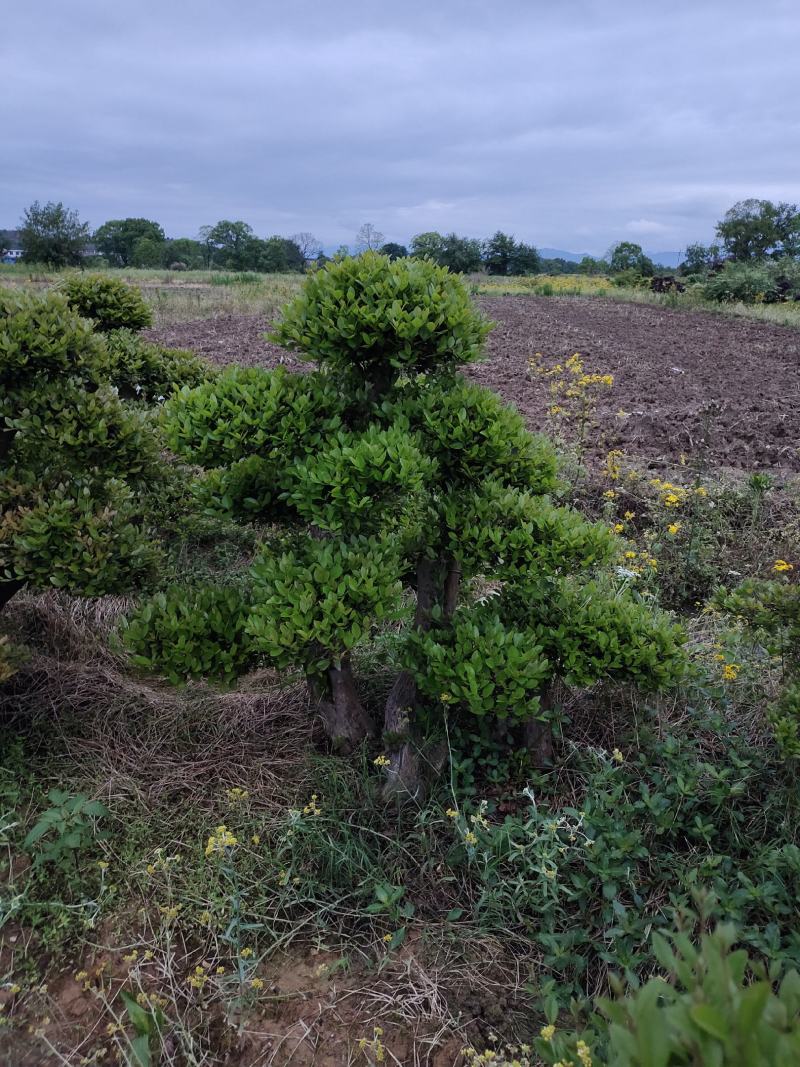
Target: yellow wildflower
column 674, row 528
column 103, row 865
column 312, row 808
column 246, row 953
column 547, row 1032
column 451, row 813
column 256, row 983
column 610, row 494
column 617, row 756
column 386, row 938
column 221, row 841
column 256, row 839
column 470, row 838
column 618, row 527
column 730, row 672
column 584, row 1054
column 781, row 566
column 381, row 761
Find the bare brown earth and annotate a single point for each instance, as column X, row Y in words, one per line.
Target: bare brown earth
column 677, row 374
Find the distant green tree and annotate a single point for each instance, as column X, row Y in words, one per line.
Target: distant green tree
column 757, row 229
column 628, row 256
column 590, row 265
column 117, row 239
column 498, row 252
column 231, row 245
column 147, row 252
column 183, row 250
column 699, row 257
column 458, row 254
column 525, row 259
column 53, row 234
column 394, row 250
column 504, row 256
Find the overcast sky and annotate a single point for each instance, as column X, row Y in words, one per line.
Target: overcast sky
column 570, row 123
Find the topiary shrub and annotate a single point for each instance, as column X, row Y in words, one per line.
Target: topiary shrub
column 384, row 473
column 192, row 633
column 72, row 457
column 108, row 302
column 149, row 371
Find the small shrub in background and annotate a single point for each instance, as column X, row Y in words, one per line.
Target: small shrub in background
column 150, row 371
column 192, row 633
column 108, row 302
column 770, row 610
column 74, row 457
column 766, row 281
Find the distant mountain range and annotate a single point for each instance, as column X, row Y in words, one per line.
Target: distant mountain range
column 663, row 259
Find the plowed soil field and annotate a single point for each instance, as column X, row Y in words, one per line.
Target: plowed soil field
column 678, row 375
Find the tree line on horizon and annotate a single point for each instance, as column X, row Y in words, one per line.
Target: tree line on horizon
column 751, row 231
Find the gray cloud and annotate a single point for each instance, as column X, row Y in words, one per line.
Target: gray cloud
column 571, row 124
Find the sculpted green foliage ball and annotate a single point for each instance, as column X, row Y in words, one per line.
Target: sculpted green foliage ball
column 192, row 633
column 108, row 302
column 314, row 602
column 379, row 317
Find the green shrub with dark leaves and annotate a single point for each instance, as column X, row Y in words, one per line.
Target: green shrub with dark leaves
column 384, row 471
column 192, row 633
column 111, row 304
column 764, row 282
column 480, row 665
column 249, row 411
column 74, row 457
column 770, row 610
column 150, row 372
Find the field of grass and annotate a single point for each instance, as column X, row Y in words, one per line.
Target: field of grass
column 182, row 296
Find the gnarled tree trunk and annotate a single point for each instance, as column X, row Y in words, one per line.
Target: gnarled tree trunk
column 406, row 772
column 344, row 717
column 538, row 735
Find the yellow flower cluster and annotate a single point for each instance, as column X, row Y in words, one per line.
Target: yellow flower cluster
column 221, row 841
column 571, row 388
column 613, row 468
column 730, row 672
column 381, row 761
column 639, row 560
column 375, row 1045
column 237, row 796
column 312, row 808
column 584, row 1054
column 782, row 567
column 198, row 979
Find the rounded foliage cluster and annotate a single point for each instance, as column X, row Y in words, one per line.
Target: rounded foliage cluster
column 149, row 371
column 192, row 633
column 314, row 602
column 479, row 665
column 108, row 302
column 379, row 318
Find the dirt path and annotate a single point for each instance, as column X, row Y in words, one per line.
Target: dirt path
column 668, row 366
